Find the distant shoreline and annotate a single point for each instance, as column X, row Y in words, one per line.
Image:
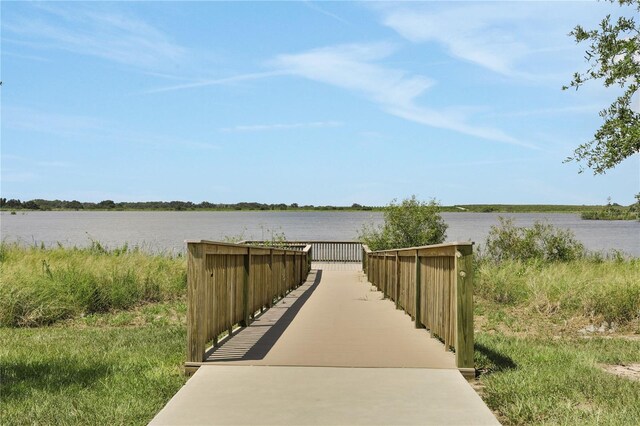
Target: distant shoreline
column 251, row 207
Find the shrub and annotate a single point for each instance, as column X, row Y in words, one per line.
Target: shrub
column 411, row 223
column 542, row 242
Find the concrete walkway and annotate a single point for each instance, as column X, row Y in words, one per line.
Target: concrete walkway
column 288, row 366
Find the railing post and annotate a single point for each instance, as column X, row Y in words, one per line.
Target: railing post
column 196, row 282
column 285, row 274
column 418, row 314
column 397, row 281
column 272, row 282
column 464, row 313
column 364, row 261
column 245, row 288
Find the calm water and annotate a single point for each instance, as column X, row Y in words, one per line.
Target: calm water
column 166, row 231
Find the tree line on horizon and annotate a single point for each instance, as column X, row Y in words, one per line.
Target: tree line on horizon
column 41, row 204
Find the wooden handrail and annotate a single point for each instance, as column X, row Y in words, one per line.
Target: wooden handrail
column 434, row 285
column 227, row 284
column 324, row 250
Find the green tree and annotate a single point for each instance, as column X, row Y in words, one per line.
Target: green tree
column 613, row 56
column 410, row 223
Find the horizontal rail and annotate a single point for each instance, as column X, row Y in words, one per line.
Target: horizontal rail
column 228, row 283
column 324, row 251
column 434, row 285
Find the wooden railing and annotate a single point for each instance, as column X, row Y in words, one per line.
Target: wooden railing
column 227, row 284
column 434, row 285
column 324, row 251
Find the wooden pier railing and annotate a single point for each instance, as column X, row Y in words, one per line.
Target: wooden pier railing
column 227, row 284
column 434, row 285
column 324, row 251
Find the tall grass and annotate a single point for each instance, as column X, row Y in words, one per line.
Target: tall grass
column 40, row 286
column 607, row 290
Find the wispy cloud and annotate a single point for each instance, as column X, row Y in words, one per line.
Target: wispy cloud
column 314, row 6
column 22, row 56
column 107, row 34
column 496, row 36
column 353, row 67
column 576, row 109
column 262, row 127
column 218, row 81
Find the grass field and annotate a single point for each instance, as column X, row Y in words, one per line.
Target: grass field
column 115, row 368
column 540, row 357
column 119, row 364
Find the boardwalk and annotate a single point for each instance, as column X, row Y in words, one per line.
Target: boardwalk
column 333, row 351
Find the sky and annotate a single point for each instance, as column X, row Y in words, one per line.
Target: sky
column 301, row 102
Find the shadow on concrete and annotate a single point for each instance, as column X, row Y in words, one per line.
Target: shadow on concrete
column 255, row 341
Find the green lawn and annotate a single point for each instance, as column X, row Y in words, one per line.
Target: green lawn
column 103, row 369
column 557, row 381
column 120, row 361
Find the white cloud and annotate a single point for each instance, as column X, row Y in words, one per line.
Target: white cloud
column 312, row 5
column 261, row 127
column 217, row 81
column 352, row 67
column 575, row 109
column 504, row 37
column 106, row 34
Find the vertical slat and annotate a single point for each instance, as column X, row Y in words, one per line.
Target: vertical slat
column 418, row 323
column 245, row 288
column 272, row 281
column 464, row 314
column 195, row 284
column 397, row 281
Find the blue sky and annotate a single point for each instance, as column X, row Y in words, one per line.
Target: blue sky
column 307, row 102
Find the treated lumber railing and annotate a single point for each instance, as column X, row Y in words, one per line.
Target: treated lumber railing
column 324, row 251
column 227, row 284
column 433, row 284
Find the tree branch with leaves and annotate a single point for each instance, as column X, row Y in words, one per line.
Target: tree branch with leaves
column 613, row 56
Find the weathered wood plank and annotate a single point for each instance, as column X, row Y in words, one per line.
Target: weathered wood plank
column 464, row 315
column 195, row 302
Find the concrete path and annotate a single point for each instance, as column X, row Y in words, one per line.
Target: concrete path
column 287, row 367
column 336, row 319
column 247, row 395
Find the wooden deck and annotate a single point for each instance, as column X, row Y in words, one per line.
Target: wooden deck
column 335, row 319
column 333, row 351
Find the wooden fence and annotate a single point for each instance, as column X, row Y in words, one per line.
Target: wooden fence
column 434, row 285
column 324, row 251
column 228, row 283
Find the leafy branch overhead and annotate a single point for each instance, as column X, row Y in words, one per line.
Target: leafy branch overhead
column 613, row 56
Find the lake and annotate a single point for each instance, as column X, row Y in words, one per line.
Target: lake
column 166, row 231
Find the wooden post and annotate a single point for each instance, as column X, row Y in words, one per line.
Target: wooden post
column 245, row 288
column 272, row 282
column 196, row 282
column 417, row 312
column 383, row 281
column 285, row 287
column 464, row 313
column 397, row 281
